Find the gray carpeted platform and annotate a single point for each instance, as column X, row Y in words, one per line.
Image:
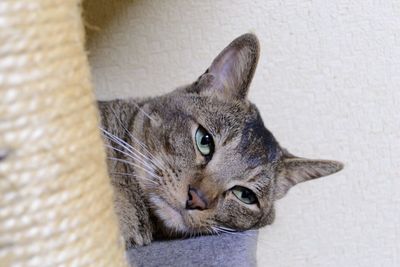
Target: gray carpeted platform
column 237, row 249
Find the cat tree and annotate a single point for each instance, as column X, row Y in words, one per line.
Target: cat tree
column 55, row 197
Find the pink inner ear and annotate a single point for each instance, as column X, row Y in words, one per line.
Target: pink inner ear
column 234, row 67
column 223, row 69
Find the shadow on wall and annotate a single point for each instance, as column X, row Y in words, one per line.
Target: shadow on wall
column 99, row 14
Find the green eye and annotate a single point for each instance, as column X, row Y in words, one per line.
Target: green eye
column 204, row 142
column 245, row 195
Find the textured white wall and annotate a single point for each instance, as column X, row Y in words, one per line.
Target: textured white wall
column 327, row 86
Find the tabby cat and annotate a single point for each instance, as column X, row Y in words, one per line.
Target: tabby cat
column 199, row 160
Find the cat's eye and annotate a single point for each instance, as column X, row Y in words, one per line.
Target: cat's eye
column 244, row 194
column 204, row 142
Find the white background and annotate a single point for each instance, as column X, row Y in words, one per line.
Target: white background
column 327, row 85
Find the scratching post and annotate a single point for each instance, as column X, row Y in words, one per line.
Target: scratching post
column 55, row 199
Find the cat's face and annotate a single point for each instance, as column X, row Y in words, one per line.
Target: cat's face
column 219, row 168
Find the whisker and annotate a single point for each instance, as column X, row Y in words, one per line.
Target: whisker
column 227, row 229
column 160, row 164
column 132, row 156
column 148, row 170
column 129, row 147
column 143, row 145
column 134, row 175
column 223, row 231
column 210, row 230
column 144, row 112
column 136, row 165
column 119, row 141
column 216, row 231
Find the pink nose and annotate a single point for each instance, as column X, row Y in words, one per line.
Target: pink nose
column 196, row 200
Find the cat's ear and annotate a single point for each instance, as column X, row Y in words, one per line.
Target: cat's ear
column 294, row 170
column 231, row 72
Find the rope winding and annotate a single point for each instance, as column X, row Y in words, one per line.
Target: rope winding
column 55, row 199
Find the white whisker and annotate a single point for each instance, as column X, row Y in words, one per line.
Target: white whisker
column 131, row 149
column 222, row 231
column 227, row 229
column 138, row 166
column 134, row 175
column 132, row 156
column 127, row 146
column 144, row 112
column 215, row 231
column 143, row 145
column 160, row 164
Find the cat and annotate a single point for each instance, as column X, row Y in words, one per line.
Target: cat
column 199, row 160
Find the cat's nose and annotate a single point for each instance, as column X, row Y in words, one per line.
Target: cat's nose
column 196, row 200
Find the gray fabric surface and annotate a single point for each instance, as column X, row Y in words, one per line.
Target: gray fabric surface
column 238, row 249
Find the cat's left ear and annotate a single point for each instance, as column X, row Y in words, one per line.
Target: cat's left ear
column 294, row 170
column 231, row 72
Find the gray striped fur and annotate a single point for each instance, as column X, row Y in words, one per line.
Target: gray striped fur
column 153, row 157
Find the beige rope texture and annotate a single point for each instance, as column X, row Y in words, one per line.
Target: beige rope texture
column 55, row 199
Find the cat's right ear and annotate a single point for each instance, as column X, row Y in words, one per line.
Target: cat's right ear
column 294, row 170
column 231, row 72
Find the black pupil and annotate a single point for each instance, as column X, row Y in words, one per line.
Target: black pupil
column 248, row 195
column 206, row 140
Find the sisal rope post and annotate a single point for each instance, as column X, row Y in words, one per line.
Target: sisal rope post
column 56, row 204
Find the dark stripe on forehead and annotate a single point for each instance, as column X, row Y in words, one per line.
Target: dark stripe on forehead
column 257, row 144
column 229, row 138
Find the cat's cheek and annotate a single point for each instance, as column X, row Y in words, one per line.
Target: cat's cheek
column 238, row 215
column 171, row 218
column 198, row 221
column 233, row 202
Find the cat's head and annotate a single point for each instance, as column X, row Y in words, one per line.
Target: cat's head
column 218, row 167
